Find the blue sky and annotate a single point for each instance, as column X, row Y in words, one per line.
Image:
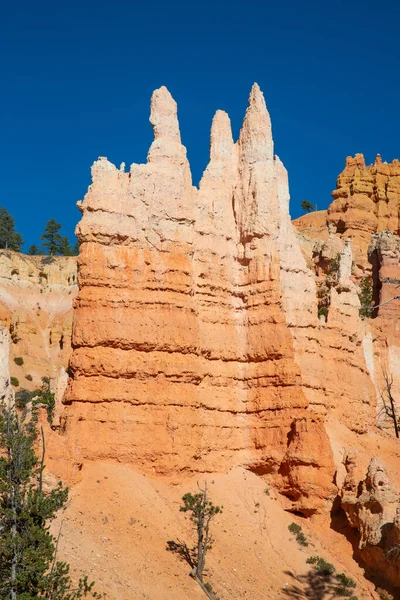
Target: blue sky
column 77, row 77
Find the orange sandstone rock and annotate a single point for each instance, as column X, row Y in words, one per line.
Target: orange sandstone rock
column 366, row 200
column 182, row 357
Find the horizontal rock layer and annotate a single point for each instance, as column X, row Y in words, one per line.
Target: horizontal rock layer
column 182, row 357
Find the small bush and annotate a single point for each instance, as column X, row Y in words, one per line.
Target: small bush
column 19, row 361
column 365, row 296
column 28, row 377
column 344, row 587
column 294, row 528
column 321, row 566
column 22, row 398
column 341, row 588
column 300, row 537
column 44, row 396
column 14, row 381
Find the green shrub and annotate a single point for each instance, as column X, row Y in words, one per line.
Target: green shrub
column 44, row 396
column 14, row 381
column 19, row 361
column 28, row 377
column 345, row 586
column 300, row 537
column 365, row 296
column 22, row 398
column 294, row 528
column 337, row 584
column 321, row 566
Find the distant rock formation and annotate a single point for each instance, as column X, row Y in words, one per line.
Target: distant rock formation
column 366, row 201
column 36, row 294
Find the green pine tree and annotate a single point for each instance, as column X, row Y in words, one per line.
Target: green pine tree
column 76, row 248
column 29, row 569
column 33, row 250
column 307, row 206
column 52, row 239
column 9, row 238
column 65, row 247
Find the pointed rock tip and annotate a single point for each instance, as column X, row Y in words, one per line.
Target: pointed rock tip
column 164, row 93
column 256, row 97
column 255, row 138
column 163, row 115
column 221, row 142
column 221, row 124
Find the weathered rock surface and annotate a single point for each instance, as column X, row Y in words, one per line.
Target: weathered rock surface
column 36, row 296
column 6, row 391
column 210, row 333
column 372, row 506
column 182, row 359
column 366, row 201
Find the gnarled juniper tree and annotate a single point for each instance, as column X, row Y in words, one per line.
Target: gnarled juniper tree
column 201, row 511
column 29, row 569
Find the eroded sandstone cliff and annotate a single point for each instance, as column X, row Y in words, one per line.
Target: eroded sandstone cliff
column 36, row 294
column 182, row 359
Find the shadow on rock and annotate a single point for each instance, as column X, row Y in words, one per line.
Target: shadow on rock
column 187, row 554
column 317, row 586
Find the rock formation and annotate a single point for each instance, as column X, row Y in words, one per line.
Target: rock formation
column 210, row 333
column 372, row 506
column 36, row 295
column 366, row 201
column 6, row 391
column 180, row 340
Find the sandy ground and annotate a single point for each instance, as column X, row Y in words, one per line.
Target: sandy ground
column 118, row 522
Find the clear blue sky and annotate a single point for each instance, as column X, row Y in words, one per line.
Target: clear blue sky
column 77, row 77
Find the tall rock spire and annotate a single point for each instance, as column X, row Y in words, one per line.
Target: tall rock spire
column 164, row 115
column 221, row 142
column 214, row 207
column 255, row 196
column 255, row 140
column 167, row 149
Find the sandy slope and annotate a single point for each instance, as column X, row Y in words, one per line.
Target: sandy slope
column 118, row 522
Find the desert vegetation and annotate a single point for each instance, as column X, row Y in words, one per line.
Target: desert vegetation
column 29, row 565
